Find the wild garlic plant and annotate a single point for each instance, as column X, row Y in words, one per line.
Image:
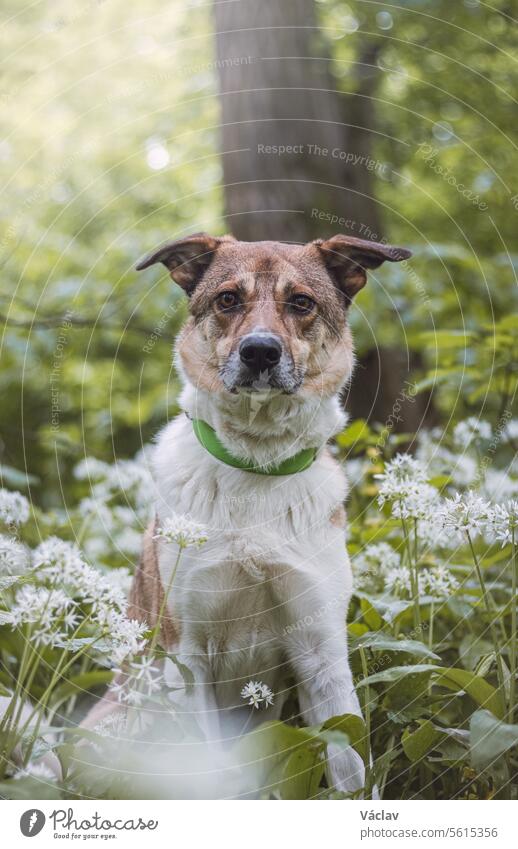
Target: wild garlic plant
column 64, row 617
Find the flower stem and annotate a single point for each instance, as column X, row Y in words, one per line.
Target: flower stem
column 367, row 711
column 489, row 611
column 414, row 584
column 156, row 630
column 430, row 633
column 40, row 708
column 514, row 631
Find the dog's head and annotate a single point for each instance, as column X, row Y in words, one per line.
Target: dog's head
column 268, row 315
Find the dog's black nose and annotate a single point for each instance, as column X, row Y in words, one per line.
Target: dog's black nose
column 260, row 351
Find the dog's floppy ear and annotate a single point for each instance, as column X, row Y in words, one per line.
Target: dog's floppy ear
column 347, row 260
column 187, row 259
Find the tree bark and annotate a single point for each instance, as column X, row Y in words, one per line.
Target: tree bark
column 277, row 93
column 286, row 129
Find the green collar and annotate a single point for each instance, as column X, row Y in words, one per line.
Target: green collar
column 208, row 437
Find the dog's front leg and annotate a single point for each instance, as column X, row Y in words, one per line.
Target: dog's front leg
column 198, row 699
column 325, row 687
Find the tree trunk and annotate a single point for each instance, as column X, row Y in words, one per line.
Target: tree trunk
column 285, row 129
column 297, row 154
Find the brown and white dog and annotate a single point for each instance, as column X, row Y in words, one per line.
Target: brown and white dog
column 264, row 356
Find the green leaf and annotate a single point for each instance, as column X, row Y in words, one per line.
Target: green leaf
column 77, row 684
column 447, row 339
column 369, row 613
column 16, row 479
column 416, row 744
column 384, row 642
column 357, row 431
column 395, row 673
column 275, row 738
column 480, row 691
column 28, row 788
column 301, row 774
column 185, row 672
column 490, row 738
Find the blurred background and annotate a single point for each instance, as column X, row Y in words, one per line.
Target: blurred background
column 123, row 125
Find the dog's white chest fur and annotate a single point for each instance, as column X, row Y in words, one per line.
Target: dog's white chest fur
column 273, row 557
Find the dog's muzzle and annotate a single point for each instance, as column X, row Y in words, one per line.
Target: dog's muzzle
column 260, row 352
column 260, row 363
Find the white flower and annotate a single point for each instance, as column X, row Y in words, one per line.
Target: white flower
column 14, row 507
column 38, row 605
column 356, row 471
column 432, row 534
column 120, row 578
column 125, row 515
column 91, row 469
column 371, row 564
column 420, row 501
column 400, row 477
column 181, row 530
column 463, row 469
column 97, row 508
column 440, row 461
column 57, row 554
column 503, row 523
column 498, row 485
column 437, row 581
column 430, row 451
column 129, row 540
column 104, row 596
column 113, row 725
column 464, row 514
column 14, row 556
column 126, row 636
column 131, row 477
column 139, row 681
column 257, row 694
column 510, row 432
column 398, row 581
column 39, row 771
column 56, row 558
column 440, row 582
column 470, row 430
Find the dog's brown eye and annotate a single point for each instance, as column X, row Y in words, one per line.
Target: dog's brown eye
column 302, row 303
column 227, row 300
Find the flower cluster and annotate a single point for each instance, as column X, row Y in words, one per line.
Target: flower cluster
column 257, row 694
column 502, row 523
column 471, row 430
column 419, row 501
column 378, row 568
column 14, row 507
column 401, row 476
column 118, row 505
column 371, row 565
column 463, row 515
column 65, row 598
column 181, row 530
column 14, row 556
column 437, row 581
column 138, row 681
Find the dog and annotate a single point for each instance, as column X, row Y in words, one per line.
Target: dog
column 264, row 356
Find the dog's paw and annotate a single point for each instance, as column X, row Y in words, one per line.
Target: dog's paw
column 345, row 768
